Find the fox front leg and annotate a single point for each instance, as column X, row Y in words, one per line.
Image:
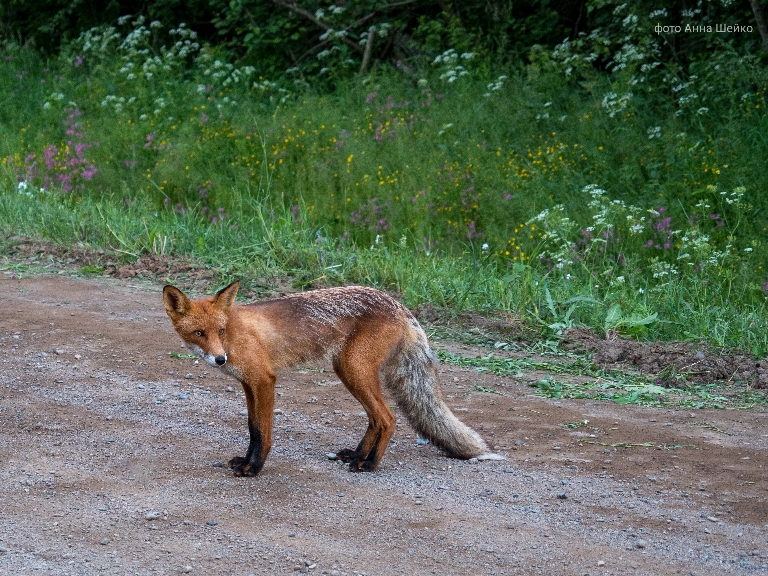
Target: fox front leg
column 261, row 402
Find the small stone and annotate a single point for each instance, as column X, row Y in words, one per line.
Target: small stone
column 640, row 544
column 104, row 542
column 188, row 376
column 152, row 515
column 518, row 442
column 713, row 519
column 472, row 460
column 211, row 523
column 229, row 389
column 509, row 470
column 186, row 570
column 3, row 549
column 600, row 563
column 218, row 464
column 331, row 455
column 291, row 535
column 562, row 496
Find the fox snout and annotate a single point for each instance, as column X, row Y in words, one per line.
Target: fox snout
column 220, row 360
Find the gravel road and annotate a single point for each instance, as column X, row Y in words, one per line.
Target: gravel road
column 111, row 463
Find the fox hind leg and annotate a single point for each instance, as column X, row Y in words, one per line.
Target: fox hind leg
column 361, row 377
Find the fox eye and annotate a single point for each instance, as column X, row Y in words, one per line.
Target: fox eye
column 199, row 333
column 221, row 331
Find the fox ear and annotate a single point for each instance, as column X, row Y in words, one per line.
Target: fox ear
column 226, row 297
column 176, row 304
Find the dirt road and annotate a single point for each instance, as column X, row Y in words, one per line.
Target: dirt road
column 111, row 452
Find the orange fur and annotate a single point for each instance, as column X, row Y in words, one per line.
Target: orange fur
column 370, row 339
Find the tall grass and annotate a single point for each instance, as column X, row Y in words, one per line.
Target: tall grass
column 568, row 204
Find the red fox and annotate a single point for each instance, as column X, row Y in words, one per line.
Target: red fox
column 369, row 337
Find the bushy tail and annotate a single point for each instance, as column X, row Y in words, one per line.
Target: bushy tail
column 411, row 374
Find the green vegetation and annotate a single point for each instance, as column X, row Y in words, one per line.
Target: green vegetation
column 597, row 184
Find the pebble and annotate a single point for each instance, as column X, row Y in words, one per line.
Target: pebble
column 104, row 542
column 186, row 569
column 211, row 523
column 218, row 464
column 244, row 412
column 188, row 376
column 640, row 544
column 713, row 519
column 152, row 515
column 3, row 549
column 229, row 389
column 331, row 455
column 562, row 496
column 600, row 563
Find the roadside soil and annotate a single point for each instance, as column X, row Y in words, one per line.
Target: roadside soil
column 111, row 458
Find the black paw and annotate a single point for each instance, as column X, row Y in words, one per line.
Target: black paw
column 242, row 467
column 348, row 455
column 236, row 461
column 362, row 466
column 245, row 470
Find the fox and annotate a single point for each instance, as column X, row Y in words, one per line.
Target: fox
column 369, row 338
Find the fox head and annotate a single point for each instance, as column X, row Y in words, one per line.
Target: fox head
column 202, row 324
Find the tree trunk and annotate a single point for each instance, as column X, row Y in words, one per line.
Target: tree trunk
column 757, row 10
column 367, row 53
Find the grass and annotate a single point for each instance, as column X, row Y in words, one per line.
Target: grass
column 534, row 198
column 619, row 386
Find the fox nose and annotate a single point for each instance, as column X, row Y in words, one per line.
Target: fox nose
column 220, row 360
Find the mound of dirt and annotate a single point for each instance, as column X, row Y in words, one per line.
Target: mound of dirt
column 507, row 325
column 109, row 263
column 695, row 362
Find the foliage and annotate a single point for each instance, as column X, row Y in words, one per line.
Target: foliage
column 568, row 198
